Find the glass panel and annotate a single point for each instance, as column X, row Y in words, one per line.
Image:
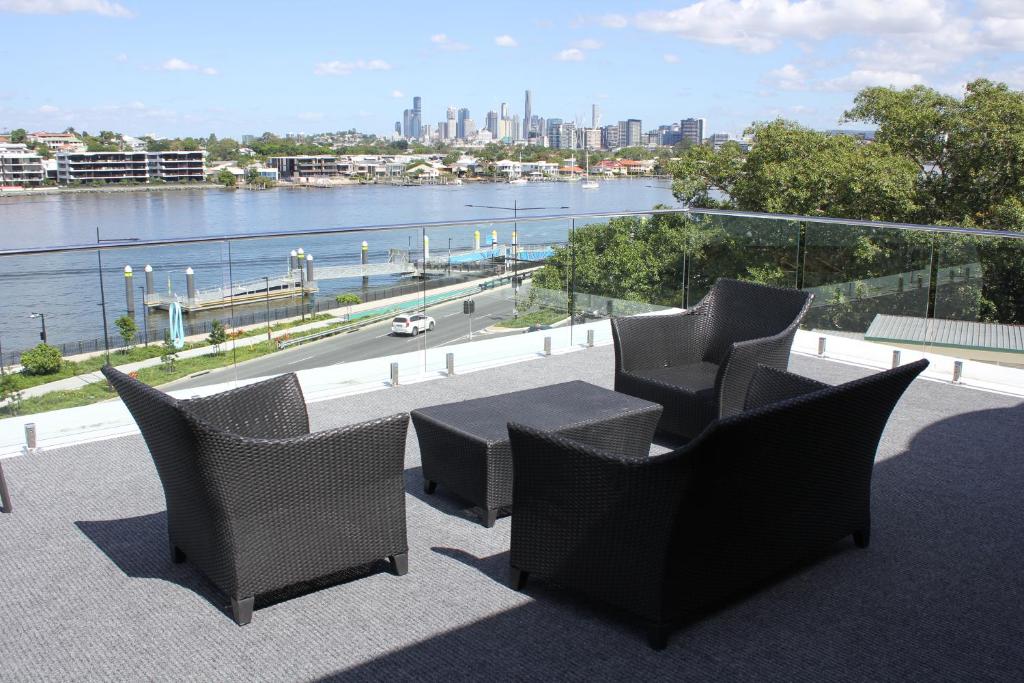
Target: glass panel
column 978, row 305
column 860, row 275
column 758, row 249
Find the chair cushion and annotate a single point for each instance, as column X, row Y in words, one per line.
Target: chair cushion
column 693, row 377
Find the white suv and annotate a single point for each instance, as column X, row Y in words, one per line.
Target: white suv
column 412, row 324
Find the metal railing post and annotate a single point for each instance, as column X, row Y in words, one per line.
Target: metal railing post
column 394, row 374
column 821, row 346
column 590, row 338
column 450, row 363
column 30, row 436
column 896, row 358
column 958, row 371
column 547, row 346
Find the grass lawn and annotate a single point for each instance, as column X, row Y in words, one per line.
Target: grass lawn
column 543, row 316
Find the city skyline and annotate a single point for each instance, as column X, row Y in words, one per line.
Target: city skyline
column 730, row 62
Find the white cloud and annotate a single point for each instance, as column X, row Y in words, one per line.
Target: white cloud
column 397, row 94
column 670, row 58
column 570, row 55
column 788, row 77
column 101, row 7
column 48, row 109
column 444, row 42
column 176, row 64
column 589, row 44
column 339, row 68
column 863, row 78
column 613, row 21
column 121, row 57
column 760, row 25
column 1005, row 32
column 506, row 41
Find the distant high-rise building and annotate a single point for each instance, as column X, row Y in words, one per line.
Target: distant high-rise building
column 451, row 125
column 398, row 127
column 516, row 128
column 561, row 135
column 504, row 110
column 468, row 128
column 719, row 139
column 417, row 118
column 407, row 123
column 592, row 138
column 595, row 116
column 528, row 116
column 634, row 130
column 492, row 123
column 692, row 130
column 610, row 136
column 460, row 131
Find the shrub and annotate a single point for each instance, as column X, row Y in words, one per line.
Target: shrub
column 41, row 360
column 127, row 328
column 218, row 335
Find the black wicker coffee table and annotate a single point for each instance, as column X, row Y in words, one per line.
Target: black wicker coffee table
column 465, row 445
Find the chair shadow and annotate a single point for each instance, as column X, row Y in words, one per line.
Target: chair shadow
column 442, row 500
column 138, row 547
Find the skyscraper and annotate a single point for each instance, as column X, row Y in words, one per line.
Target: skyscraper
column 417, row 117
column 407, row 123
column 460, row 127
column 451, row 127
column 504, row 110
column 492, row 123
column 528, row 116
column 692, row 130
column 595, row 116
column 398, row 127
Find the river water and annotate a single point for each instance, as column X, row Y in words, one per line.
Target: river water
column 66, row 287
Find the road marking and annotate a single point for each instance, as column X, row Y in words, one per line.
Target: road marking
column 293, row 362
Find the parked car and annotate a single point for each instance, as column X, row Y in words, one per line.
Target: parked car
column 412, row 324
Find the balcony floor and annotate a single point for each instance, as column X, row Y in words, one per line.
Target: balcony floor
column 88, row 591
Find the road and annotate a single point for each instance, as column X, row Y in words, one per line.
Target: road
column 371, row 341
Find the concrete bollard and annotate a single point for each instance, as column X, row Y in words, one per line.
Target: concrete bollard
column 547, row 346
column 899, row 284
column 426, row 249
column 896, row 358
column 958, row 371
column 590, row 338
column 293, row 260
column 476, row 240
column 149, row 283
column 30, row 436
column 190, row 284
column 394, row 374
column 821, row 346
column 129, row 291
column 364, row 258
column 309, row 271
column 449, row 361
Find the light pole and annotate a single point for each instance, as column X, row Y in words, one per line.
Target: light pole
column 42, row 319
column 145, row 316
column 266, row 280
column 449, row 256
column 515, row 209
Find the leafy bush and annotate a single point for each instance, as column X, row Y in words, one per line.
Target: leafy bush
column 218, row 335
column 127, row 328
column 41, row 360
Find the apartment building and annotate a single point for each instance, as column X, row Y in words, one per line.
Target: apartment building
column 19, row 166
column 305, row 166
column 141, row 167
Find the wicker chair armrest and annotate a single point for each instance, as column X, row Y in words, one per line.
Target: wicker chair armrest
column 286, row 481
column 742, row 360
column 271, row 409
column 592, row 519
column 654, row 341
column 771, row 385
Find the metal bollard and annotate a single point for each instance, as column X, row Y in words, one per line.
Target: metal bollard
column 895, row 358
column 590, row 338
column 30, row 436
column 450, row 363
column 821, row 346
column 547, row 346
column 958, row 370
column 394, row 374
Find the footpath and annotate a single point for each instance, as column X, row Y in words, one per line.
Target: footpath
column 359, row 315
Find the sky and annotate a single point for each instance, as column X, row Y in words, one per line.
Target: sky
column 191, row 68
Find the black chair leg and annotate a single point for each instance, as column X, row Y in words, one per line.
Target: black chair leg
column 488, row 517
column 862, row 538
column 517, row 578
column 5, row 495
column 241, row 609
column 657, row 636
column 177, row 557
column 429, row 486
column 399, row 564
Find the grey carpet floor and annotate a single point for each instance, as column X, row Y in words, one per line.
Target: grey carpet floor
column 87, row 592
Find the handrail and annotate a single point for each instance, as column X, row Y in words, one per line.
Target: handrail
column 501, row 220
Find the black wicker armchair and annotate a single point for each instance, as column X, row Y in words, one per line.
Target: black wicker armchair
column 667, row 537
column 256, row 502
column 697, row 364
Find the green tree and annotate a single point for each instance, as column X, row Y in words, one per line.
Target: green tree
column 42, row 359
column 18, row 135
column 227, row 178
column 218, row 335
column 451, row 158
column 170, row 353
column 348, row 299
column 127, row 328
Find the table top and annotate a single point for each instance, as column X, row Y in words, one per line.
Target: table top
column 548, row 408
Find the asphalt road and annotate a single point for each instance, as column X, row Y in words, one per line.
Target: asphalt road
column 371, row 341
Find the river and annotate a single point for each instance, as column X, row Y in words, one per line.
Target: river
column 66, row 287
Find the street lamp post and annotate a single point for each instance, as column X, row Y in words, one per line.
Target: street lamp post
column 266, row 280
column 449, row 256
column 42, row 319
column 515, row 209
